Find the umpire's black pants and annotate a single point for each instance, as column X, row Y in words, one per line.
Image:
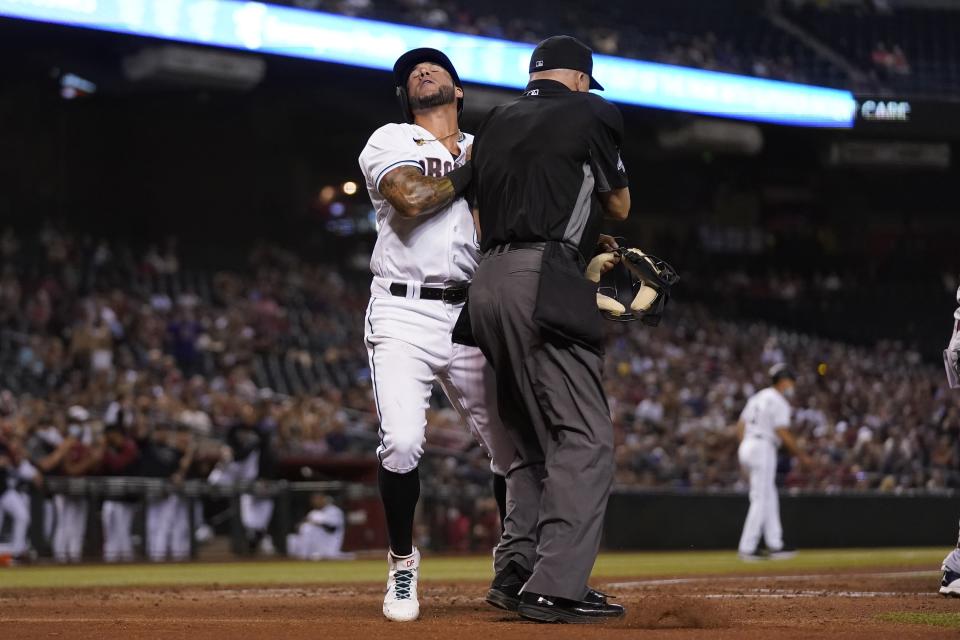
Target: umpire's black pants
column 551, row 400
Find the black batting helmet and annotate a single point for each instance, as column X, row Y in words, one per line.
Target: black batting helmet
column 405, row 64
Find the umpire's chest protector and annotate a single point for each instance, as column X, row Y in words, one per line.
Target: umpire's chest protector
column 566, row 300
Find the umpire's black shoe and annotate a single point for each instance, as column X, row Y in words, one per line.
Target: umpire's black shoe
column 504, row 593
column 598, row 597
column 540, row 608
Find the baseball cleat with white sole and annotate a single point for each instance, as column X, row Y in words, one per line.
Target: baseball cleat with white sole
column 949, row 583
column 401, row 604
column 784, row 553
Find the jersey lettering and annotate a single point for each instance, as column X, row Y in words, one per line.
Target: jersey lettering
column 435, row 168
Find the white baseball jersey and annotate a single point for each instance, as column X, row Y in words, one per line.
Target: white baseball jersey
column 951, row 355
column 437, row 249
column 766, row 411
column 320, row 536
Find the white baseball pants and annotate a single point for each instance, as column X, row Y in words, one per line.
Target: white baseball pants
column 313, row 542
column 255, row 513
column 168, row 528
column 71, row 527
column 759, row 458
column 117, row 518
column 409, row 348
column 17, row 506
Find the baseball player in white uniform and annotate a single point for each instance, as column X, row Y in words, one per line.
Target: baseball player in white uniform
column 320, row 535
column 764, row 424
column 15, row 471
column 425, row 255
column 950, row 576
column 247, row 459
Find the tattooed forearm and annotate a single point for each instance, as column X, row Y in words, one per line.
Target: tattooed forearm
column 413, row 194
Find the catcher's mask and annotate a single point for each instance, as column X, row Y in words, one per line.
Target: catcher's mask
column 405, row 64
column 636, row 272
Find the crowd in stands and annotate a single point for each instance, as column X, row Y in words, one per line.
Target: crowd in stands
column 871, row 418
column 890, row 60
column 911, row 47
column 98, row 337
column 904, row 47
column 622, row 29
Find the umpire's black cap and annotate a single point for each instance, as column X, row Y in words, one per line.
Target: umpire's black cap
column 564, row 52
column 781, row 371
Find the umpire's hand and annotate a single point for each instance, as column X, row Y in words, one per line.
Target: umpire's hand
column 606, row 244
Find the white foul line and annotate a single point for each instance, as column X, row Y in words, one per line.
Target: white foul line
column 786, row 594
column 758, row 578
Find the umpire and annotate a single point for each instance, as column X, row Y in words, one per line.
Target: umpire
column 547, row 170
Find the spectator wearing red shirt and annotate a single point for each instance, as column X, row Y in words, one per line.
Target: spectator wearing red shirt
column 120, row 458
column 80, row 459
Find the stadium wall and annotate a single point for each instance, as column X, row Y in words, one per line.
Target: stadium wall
column 670, row 520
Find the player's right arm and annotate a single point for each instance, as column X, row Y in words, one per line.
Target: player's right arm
column 82, row 464
column 389, row 162
column 413, row 194
column 791, row 444
column 52, row 460
column 780, row 416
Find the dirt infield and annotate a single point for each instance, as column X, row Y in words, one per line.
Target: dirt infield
column 843, row 605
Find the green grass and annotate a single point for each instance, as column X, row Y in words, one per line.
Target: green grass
column 951, row 620
column 610, row 566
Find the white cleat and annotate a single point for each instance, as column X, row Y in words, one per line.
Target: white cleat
column 783, row 554
column 401, row 604
column 751, row 556
column 266, row 546
column 949, row 583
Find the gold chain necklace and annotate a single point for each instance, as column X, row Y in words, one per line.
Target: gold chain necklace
column 423, row 141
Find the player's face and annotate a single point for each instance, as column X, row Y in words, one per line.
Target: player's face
column 789, row 388
column 430, row 85
column 426, row 79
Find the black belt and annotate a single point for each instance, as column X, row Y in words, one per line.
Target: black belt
column 568, row 250
column 514, row 246
column 450, row 295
